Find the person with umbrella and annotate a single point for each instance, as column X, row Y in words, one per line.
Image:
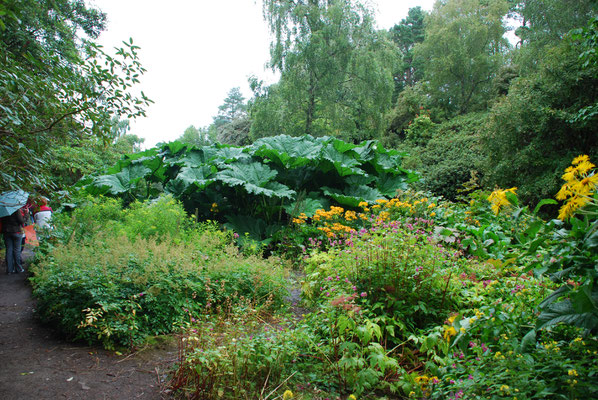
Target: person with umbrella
column 12, row 228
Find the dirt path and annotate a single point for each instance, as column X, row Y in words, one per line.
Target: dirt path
column 35, row 364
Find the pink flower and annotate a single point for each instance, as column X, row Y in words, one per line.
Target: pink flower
column 363, row 294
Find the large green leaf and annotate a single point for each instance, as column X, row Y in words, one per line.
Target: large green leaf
column 245, row 224
column 344, row 163
column 229, row 154
column 354, row 195
column 287, row 151
column 580, row 309
column 121, row 182
column 199, row 177
column 308, row 206
column 367, row 150
column 193, row 159
column 388, row 184
column 255, row 178
column 388, row 161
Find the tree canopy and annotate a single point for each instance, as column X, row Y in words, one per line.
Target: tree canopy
column 336, row 71
column 57, row 86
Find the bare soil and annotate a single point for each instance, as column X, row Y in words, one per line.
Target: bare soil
column 37, row 364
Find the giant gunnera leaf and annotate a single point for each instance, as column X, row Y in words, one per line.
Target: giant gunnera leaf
column 352, row 196
column 122, row 181
column 200, row 177
column 255, row 178
column 288, row 151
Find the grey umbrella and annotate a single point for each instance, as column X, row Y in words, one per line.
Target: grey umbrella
column 12, row 201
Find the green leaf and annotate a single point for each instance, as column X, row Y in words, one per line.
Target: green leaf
column 343, row 163
column 255, row 178
column 528, row 342
column 544, row 202
column 354, row 195
column 200, row 177
column 287, row 151
column 308, row 206
column 388, row 184
column 121, row 182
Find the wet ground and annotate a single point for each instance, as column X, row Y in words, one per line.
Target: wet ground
column 36, row 364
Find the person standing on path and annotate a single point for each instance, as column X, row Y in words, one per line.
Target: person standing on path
column 12, row 230
column 43, row 215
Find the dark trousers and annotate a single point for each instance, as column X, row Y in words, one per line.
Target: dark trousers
column 13, row 252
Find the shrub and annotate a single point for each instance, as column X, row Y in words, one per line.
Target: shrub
column 117, row 287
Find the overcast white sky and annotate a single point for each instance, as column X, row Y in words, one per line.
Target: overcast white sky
column 195, row 51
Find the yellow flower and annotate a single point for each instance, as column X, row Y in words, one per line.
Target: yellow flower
column 214, row 207
column 580, row 184
column 498, row 199
column 572, row 372
column 287, row 395
column 432, row 214
column 363, row 204
column 579, row 159
column 449, row 332
column 351, row 397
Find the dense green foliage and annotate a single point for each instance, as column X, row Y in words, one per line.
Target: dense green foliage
column 400, row 309
column 336, row 72
column 256, row 189
column 461, row 291
column 116, row 276
column 57, row 88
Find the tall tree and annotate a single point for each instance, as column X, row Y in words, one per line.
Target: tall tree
column 406, row 34
column 57, row 86
column 195, row 136
column 234, row 106
column 544, row 24
column 549, row 114
column 336, row 70
column 462, row 51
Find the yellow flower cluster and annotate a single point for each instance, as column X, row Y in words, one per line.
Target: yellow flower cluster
column 449, row 330
column 552, row 346
column 424, row 381
column 328, row 215
column 301, row 219
column 332, row 230
column 214, row 208
column 581, row 181
column 389, row 204
column 350, row 215
column 287, row 395
column 498, row 199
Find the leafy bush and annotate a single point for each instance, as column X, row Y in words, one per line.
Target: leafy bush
column 271, row 181
column 418, row 297
column 142, row 274
column 539, row 116
column 452, row 155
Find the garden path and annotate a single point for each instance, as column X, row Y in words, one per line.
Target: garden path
column 35, row 364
